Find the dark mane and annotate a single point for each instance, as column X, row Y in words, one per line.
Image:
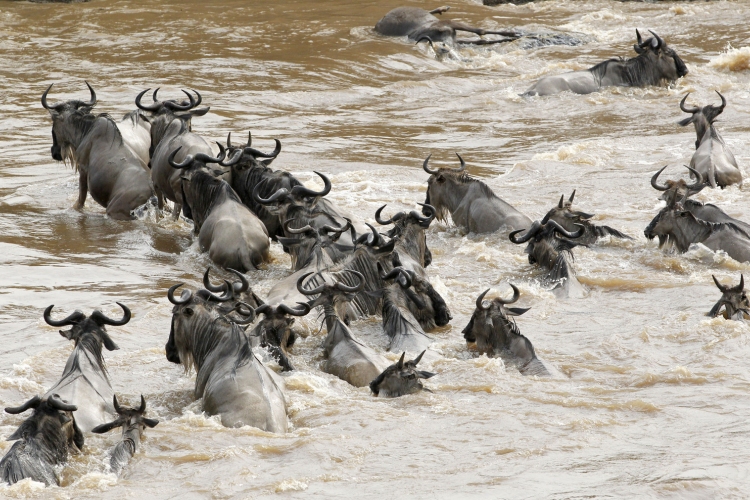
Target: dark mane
column 204, row 192
column 465, row 178
column 635, row 72
column 89, row 343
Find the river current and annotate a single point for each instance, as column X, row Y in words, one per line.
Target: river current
column 649, row 399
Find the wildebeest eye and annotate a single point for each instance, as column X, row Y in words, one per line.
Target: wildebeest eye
column 189, row 311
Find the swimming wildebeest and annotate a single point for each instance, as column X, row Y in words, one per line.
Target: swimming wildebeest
column 400, row 378
column 571, row 220
column 496, row 334
column 733, row 299
column 232, row 235
column 107, row 167
column 679, row 228
column 550, row 246
column 43, row 441
column 275, row 330
column 712, row 158
column 418, row 24
column 85, row 382
column 408, row 234
column 471, row 203
column 655, row 64
column 231, row 379
column 133, row 423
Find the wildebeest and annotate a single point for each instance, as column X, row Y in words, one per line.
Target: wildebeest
column 171, row 128
column 418, row 24
column 400, row 379
column 231, row 379
column 242, row 290
column 133, row 422
column 496, row 334
column 678, row 228
column 733, row 299
column 275, row 332
column 232, row 235
column 399, row 322
column 655, row 64
column 85, row 382
column 43, row 441
column 408, row 233
column 471, row 203
column 550, row 246
column 345, row 356
column 712, row 158
column 571, row 220
column 107, row 167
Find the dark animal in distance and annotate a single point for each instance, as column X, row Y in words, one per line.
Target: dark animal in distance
column 107, row 167
column 42, row 441
column 133, row 423
column 656, row 63
column 400, row 379
column 734, row 301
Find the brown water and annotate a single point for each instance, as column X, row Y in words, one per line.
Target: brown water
column 650, row 397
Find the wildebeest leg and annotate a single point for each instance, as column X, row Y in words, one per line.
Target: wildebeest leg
column 440, row 10
column 159, row 198
column 83, row 189
column 176, row 210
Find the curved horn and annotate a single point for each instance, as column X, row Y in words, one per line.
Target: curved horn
column 264, row 309
column 314, row 291
column 688, row 110
column 92, row 102
column 259, row 154
column 173, row 300
column 425, row 221
column 229, row 140
column 352, row 289
column 516, row 295
column 278, row 194
column 330, row 229
column 185, row 163
column 199, row 98
column 428, row 169
column 527, row 235
column 564, row 232
column 249, row 138
column 210, row 159
column 572, row 195
column 101, row 319
column 302, row 311
column 151, row 107
column 419, row 358
column 228, row 293
column 658, row 40
column 58, row 404
column 300, row 230
column 172, row 105
column 638, row 37
column 233, row 160
column 562, row 198
column 656, row 185
column 303, row 191
column 142, row 408
column 70, row 320
column 244, row 284
column 699, row 183
column 463, row 164
column 31, row 403
column 721, row 287
column 480, row 299
column 400, row 364
column 44, row 97
column 741, row 286
column 208, row 285
column 116, row 404
column 380, row 221
column 425, row 37
column 723, row 102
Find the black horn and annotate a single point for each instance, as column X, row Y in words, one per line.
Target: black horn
column 303, row 191
column 723, row 102
column 172, row 105
column 561, row 230
column 101, row 319
column 380, row 221
column 426, row 168
column 31, row 403
column 688, row 110
column 210, row 286
column 70, row 320
column 314, row 291
column 302, row 311
column 44, row 97
column 480, row 299
column 352, row 289
column 151, row 107
column 58, row 404
column 177, row 302
column 185, row 163
column 259, row 154
column 659, row 41
column 92, row 102
column 463, row 164
column 527, row 235
column 278, row 194
column 142, row 408
column 655, row 184
column 721, row 287
column 516, row 295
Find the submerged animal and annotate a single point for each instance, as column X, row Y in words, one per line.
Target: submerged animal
column 712, row 158
column 734, row 301
column 133, row 423
column 400, row 379
column 571, row 220
column 655, row 64
column 42, row 441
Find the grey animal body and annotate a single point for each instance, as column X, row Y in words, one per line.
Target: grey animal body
column 399, row 323
column 133, row 423
column 655, row 64
column 171, row 129
column 400, row 379
column 135, row 129
column 418, row 24
column 733, row 300
column 232, row 235
column 43, row 441
column 571, row 220
column 712, row 158
column 471, row 203
column 232, row 381
column 496, row 334
column 85, row 382
column 550, row 247
column 108, row 167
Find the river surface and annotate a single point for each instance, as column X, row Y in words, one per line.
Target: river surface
column 650, row 398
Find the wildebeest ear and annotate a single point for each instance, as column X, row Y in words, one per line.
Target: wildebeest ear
column 150, row 422
column 108, row 342
column 423, row 374
column 101, row 429
column 267, row 162
column 517, row 311
column 68, row 334
column 686, row 121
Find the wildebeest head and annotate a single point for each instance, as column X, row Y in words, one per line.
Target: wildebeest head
column 678, row 228
column 678, row 191
column 441, row 186
column 242, row 290
column 89, row 332
column 702, row 118
column 275, row 329
column 541, row 230
column 70, row 120
column 308, row 243
column 52, row 424
column 409, row 231
column 425, row 303
column 565, row 216
column 333, row 297
column 299, row 196
column 493, row 330
column 658, row 61
column 400, row 378
column 250, row 155
column 735, row 301
column 130, row 419
column 193, row 316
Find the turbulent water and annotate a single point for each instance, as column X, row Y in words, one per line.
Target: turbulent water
column 650, row 397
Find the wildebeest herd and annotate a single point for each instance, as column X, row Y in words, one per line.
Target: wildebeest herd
column 347, row 268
